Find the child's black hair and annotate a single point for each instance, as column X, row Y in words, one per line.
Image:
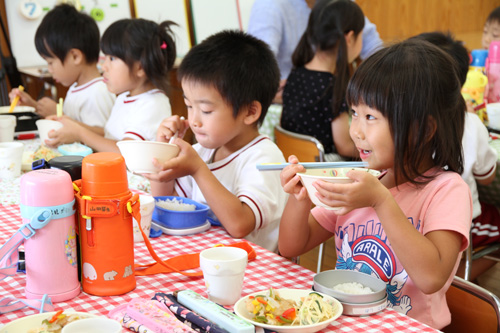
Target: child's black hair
column 149, row 43
column 241, row 67
column 64, row 28
column 494, row 16
column 455, row 48
column 415, row 86
column 328, row 23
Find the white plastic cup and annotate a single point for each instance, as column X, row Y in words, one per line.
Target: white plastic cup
column 7, row 127
column 493, row 111
column 223, row 271
column 147, row 208
column 45, row 126
column 11, row 157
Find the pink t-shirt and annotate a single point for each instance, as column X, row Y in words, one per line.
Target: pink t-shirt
column 361, row 244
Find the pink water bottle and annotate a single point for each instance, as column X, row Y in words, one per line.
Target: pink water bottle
column 47, row 197
column 492, row 93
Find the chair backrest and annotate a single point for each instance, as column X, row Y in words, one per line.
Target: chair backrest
column 307, row 148
column 473, row 308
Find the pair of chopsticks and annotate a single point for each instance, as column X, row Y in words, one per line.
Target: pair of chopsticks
column 15, row 101
column 313, row 165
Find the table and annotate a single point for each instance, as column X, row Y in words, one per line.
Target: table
column 491, row 193
column 268, row 270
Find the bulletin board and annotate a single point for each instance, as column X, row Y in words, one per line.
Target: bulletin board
column 24, row 16
column 173, row 10
column 210, row 17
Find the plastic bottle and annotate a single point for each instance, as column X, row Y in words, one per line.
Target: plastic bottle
column 106, row 230
column 478, row 61
column 50, row 254
column 492, row 93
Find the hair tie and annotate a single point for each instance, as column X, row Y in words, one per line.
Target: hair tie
column 163, row 45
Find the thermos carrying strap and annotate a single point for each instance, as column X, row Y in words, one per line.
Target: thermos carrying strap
column 176, row 264
column 9, row 258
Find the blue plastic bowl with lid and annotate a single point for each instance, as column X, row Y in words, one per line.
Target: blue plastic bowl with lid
column 177, row 219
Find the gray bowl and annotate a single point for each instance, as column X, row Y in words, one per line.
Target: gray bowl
column 325, row 281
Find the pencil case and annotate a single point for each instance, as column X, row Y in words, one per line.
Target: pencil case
column 155, row 316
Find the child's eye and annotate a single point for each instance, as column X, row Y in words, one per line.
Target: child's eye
column 370, row 117
column 353, row 113
column 206, row 112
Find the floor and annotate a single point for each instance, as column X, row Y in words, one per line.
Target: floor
column 489, row 280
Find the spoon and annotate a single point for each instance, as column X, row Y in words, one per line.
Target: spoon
column 171, row 141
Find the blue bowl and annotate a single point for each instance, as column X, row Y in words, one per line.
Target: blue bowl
column 175, row 219
column 75, row 149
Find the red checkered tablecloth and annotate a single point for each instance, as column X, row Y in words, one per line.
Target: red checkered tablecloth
column 268, row 270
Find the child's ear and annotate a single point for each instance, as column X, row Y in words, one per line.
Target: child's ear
column 350, row 39
column 76, row 56
column 253, row 112
column 431, row 123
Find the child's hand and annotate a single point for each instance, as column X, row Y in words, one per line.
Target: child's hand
column 290, row 181
column 66, row 134
column 46, row 107
column 188, row 162
column 365, row 191
column 170, row 126
column 24, row 97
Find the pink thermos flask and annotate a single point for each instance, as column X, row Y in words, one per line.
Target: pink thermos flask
column 492, row 94
column 47, row 196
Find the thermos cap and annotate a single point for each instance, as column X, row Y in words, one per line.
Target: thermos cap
column 69, row 163
column 494, row 52
column 46, row 187
column 479, row 58
column 104, row 174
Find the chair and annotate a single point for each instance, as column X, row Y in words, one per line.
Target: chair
column 307, row 149
column 471, row 254
column 473, row 308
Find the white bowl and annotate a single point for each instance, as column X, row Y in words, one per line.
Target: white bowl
column 94, row 325
column 45, row 126
column 27, row 323
column 295, row 295
column 139, row 155
column 331, row 175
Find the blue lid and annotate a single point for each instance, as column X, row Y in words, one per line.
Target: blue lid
column 479, row 58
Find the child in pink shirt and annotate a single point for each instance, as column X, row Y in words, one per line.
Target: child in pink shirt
column 408, row 226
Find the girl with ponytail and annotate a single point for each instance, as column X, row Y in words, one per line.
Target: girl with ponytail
column 314, row 95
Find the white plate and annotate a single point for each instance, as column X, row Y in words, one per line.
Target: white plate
column 181, row 232
column 24, row 324
column 291, row 294
column 20, row 108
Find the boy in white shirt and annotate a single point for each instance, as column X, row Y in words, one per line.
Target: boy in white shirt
column 69, row 41
column 229, row 81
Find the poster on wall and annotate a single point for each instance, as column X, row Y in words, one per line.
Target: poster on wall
column 24, row 16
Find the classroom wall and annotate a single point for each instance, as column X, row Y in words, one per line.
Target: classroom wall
column 400, row 19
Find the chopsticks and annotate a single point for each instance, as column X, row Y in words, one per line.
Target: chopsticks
column 313, row 165
column 16, row 100
column 59, row 108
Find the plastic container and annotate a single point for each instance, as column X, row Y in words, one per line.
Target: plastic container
column 50, row 254
column 492, row 93
column 353, row 304
column 174, row 219
column 75, row 149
